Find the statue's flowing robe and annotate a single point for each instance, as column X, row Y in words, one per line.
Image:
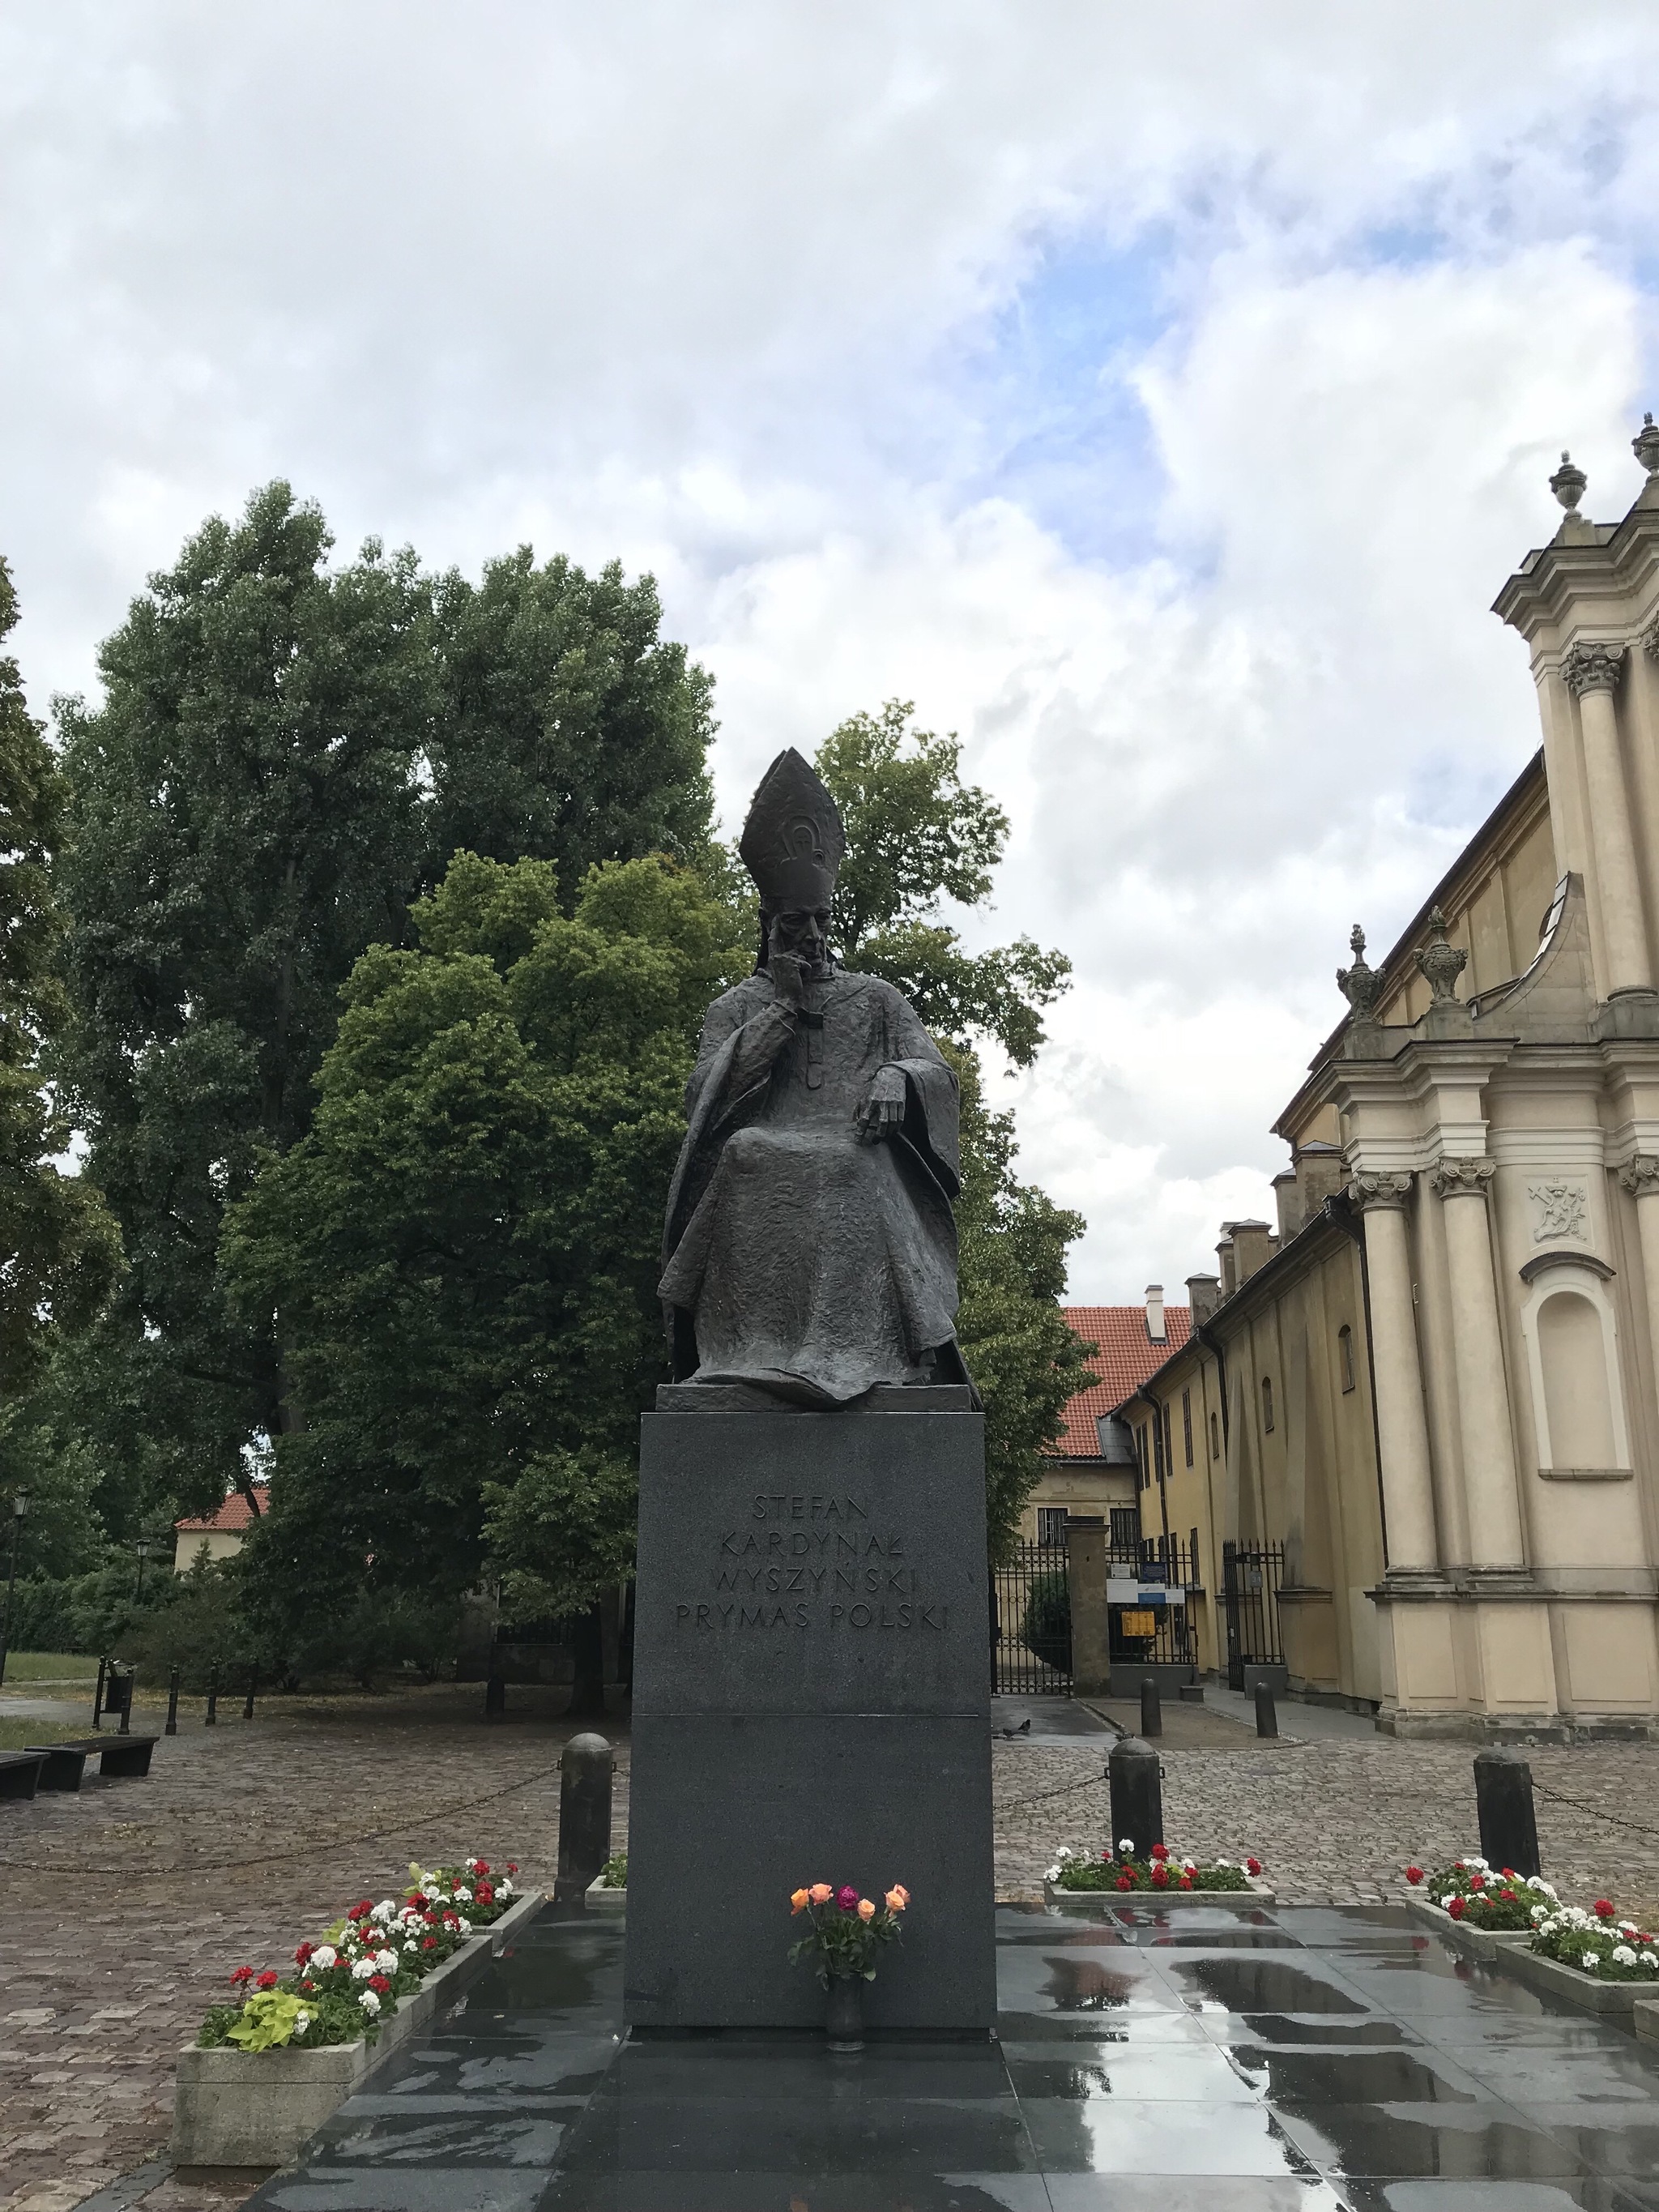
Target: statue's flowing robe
column 797, row 1256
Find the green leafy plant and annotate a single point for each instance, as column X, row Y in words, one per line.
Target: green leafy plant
column 1470, row 1890
column 1158, row 1872
column 614, row 1874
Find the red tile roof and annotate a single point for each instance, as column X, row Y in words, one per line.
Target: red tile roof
column 1123, row 1356
column 233, row 1516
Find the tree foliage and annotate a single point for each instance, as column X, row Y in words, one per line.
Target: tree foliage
column 58, row 1248
column 285, row 754
column 570, row 730
column 1023, row 1356
column 461, row 1256
column 917, row 835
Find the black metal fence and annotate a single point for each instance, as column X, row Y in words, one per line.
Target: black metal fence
column 1031, row 1623
column 1250, row 1576
column 1161, row 1635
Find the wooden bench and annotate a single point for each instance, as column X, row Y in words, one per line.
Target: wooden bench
column 20, row 1774
column 63, row 1764
column 117, row 1756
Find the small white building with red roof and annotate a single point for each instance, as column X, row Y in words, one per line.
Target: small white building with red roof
column 1093, row 1469
column 222, row 1533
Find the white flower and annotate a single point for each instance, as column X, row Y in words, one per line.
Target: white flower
column 411, row 1945
column 1126, row 1844
column 1053, row 1874
column 463, row 1924
column 362, row 1969
column 430, row 1889
column 471, row 1864
column 1445, row 1902
column 1628, row 1928
column 301, row 2022
column 1063, row 1853
column 386, row 1961
column 462, row 1896
column 1591, row 1962
column 1650, row 1960
column 1537, row 1882
column 1191, row 1865
column 1623, row 1955
column 1539, row 1913
column 325, row 1956
column 369, row 2002
column 504, row 1888
column 383, row 1910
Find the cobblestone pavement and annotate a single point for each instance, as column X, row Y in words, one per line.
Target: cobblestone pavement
column 128, row 1905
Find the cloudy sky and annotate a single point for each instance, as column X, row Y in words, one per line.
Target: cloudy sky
column 1157, row 396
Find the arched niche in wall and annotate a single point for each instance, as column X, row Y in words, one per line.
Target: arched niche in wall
column 1571, row 1335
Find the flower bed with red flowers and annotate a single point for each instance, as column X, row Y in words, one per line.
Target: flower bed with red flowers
column 1598, row 1943
column 339, row 1989
column 1160, row 1871
column 1480, row 1896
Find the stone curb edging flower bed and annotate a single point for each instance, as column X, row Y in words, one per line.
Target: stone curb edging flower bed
column 1482, row 1943
column 235, row 2107
column 1230, row 1900
column 597, row 1898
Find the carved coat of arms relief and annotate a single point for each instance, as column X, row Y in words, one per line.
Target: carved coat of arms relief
column 1560, row 1210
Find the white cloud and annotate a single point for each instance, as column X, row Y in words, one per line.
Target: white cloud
column 725, row 292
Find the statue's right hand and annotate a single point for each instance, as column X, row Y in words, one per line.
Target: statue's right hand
column 788, row 980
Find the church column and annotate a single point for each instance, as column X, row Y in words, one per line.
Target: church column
column 1402, row 1432
column 1591, row 671
column 1483, row 1404
column 1641, row 1179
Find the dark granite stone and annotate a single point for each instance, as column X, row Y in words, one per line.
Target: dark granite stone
column 811, row 1703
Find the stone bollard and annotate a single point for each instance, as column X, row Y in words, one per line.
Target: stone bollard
column 252, row 1684
column 1503, row 1796
column 495, row 1697
column 1152, row 1709
column 1137, row 1794
column 172, row 1728
column 125, row 1684
column 583, row 1814
column 98, row 1694
column 1267, row 1712
column 210, row 1719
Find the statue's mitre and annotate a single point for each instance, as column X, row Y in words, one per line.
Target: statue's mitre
column 793, row 843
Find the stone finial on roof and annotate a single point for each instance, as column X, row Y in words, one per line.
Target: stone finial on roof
column 1568, row 484
column 1439, row 962
column 1645, row 444
column 1359, row 985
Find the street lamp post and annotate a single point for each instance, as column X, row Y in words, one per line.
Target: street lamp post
column 143, row 1553
column 19, row 1506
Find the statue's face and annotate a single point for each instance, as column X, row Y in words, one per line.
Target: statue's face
column 805, row 934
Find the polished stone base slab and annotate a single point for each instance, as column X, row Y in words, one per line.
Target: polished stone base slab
column 1305, row 2059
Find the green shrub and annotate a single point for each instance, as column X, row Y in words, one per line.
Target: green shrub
column 1047, row 1628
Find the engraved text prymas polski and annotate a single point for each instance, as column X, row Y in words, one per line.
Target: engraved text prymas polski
column 802, row 1560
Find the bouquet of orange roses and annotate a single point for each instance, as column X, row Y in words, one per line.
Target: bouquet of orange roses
column 844, row 1931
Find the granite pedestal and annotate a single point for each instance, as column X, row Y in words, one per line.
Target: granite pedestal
column 811, row 1703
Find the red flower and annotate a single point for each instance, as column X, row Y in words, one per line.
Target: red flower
column 511, row 1866
column 481, row 1866
column 1477, row 1881
column 266, row 1981
column 428, row 1942
column 1603, row 1909
column 1456, row 1908
column 1507, row 1897
column 1413, row 1874
column 1252, row 1866
column 1160, row 1875
column 1125, row 1881
column 1186, row 1882
column 303, row 1954
column 310, row 1988
column 242, row 1974
column 1508, row 1873
column 379, row 1983
column 847, row 1897
column 1159, row 1852
column 485, row 1892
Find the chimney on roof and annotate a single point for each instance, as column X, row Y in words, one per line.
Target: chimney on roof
column 1203, row 1296
column 1253, row 1245
column 1155, row 1328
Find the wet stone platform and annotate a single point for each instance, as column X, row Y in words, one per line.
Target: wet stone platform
column 1147, row 2061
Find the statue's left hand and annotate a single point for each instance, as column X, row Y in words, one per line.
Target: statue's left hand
column 883, row 1106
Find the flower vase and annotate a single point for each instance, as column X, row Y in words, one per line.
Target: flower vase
column 844, row 2014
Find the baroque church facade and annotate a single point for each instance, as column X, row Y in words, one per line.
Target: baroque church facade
column 1431, row 1392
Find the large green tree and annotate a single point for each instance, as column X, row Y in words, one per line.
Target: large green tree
column 286, row 753
column 461, row 1256
column 570, row 729
column 245, row 818
column 58, row 1248
column 916, row 836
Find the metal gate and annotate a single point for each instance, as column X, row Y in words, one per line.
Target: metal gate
column 1250, row 1578
column 1031, row 1623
